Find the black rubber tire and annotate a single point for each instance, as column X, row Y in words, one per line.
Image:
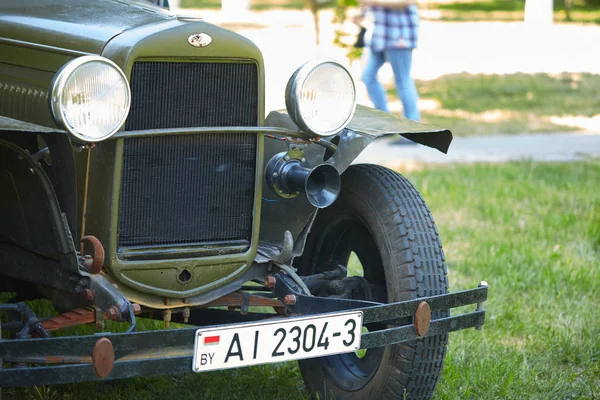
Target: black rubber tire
column 413, row 264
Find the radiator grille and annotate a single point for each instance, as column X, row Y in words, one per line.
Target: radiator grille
column 182, row 95
column 189, row 189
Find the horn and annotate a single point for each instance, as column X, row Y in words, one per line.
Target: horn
column 321, row 184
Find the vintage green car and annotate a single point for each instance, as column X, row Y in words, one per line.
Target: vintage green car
column 140, row 177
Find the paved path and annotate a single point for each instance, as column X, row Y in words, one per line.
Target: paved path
column 537, row 147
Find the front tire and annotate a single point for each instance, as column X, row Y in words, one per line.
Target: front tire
column 381, row 218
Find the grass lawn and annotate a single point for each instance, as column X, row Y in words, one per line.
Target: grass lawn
column 254, row 4
column 504, row 10
column 483, row 104
column 532, row 231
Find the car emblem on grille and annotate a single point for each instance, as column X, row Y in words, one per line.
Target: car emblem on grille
column 199, row 40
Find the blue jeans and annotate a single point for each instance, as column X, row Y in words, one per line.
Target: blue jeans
column 401, row 61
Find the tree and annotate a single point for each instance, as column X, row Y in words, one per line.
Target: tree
column 568, row 5
column 314, row 6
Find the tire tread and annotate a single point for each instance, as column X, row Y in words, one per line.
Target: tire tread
column 416, row 268
column 412, row 215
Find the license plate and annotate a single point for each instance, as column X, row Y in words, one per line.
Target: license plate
column 278, row 340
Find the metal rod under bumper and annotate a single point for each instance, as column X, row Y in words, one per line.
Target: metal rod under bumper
column 58, row 374
column 78, row 345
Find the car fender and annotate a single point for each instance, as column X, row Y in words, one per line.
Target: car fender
column 366, row 125
column 296, row 214
column 39, row 229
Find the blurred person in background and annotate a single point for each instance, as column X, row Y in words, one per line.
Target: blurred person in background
column 394, row 35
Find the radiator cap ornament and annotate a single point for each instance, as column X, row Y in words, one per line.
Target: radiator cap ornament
column 199, row 40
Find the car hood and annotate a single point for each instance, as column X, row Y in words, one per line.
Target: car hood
column 81, row 25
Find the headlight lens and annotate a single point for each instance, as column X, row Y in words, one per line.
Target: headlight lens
column 321, row 97
column 90, row 98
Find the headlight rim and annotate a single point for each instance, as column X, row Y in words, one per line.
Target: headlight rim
column 57, row 88
column 294, row 87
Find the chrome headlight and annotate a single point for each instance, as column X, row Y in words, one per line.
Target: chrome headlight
column 90, row 98
column 320, row 97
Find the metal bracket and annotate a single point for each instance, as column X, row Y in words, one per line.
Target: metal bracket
column 31, row 323
column 245, row 303
column 275, row 166
column 285, row 286
column 93, row 264
column 285, row 255
column 99, row 317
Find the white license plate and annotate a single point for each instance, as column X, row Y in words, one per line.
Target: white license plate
column 277, row 340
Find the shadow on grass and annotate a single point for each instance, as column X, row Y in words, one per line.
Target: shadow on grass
column 471, row 104
column 543, row 94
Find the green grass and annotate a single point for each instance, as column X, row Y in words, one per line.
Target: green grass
column 491, row 5
column 505, row 10
column 254, row 4
column 532, row 230
column 542, row 94
column 514, row 103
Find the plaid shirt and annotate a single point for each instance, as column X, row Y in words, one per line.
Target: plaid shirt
column 394, row 28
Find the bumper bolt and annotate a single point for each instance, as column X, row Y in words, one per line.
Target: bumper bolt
column 113, row 313
column 167, row 317
column 270, row 281
column 103, row 358
column 88, row 295
column 480, row 304
column 422, row 318
column 289, row 300
column 336, row 287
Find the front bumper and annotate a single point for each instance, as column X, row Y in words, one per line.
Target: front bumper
column 90, row 358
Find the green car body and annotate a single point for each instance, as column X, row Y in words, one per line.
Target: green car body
column 36, row 46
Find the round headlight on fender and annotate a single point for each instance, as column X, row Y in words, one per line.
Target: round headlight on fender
column 320, row 97
column 90, row 98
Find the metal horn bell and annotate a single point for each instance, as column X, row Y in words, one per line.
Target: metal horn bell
column 321, row 184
